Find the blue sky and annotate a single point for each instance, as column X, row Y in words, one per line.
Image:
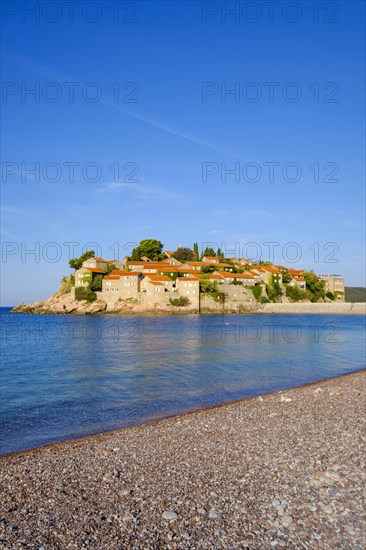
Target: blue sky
column 173, row 132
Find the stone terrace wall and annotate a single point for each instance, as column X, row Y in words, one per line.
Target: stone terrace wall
column 330, row 308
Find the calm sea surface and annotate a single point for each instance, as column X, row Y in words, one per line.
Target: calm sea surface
column 64, row 376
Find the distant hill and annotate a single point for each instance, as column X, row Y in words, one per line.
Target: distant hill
column 355, row 294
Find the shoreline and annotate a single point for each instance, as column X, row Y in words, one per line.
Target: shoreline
column 180, row 415
column 296, row 308
column 284, row 469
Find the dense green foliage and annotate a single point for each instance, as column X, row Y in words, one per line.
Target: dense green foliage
column 109, row 268
column 196, row 252
column 208, row 269
column 286, row 278
column 83, row 293
column 184, row 254
column 208, row 251
column 151, row 248
column 295, row 293
column 257, row 291
column 355, row 294
column 331, row 296
column 179, row 302
column 274, row 290
column 96, row 283
column 206, row 285
column 76, row 263
column 314, row 286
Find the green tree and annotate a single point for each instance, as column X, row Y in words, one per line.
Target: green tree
column 109, row 268
column 96, row 283
column 314, row 286
column 295, row 293
column 76, row 263
column 82, row 293
column 184, row 254
column 286, row 278
column 151, row 248
column 196, row 252
column 221, row 256
column 257, row 291
column 274, row 290
column 208, row 269
column 206, row 285
column 208, row 252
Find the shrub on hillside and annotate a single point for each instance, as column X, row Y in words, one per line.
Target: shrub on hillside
column 257, row 291
column 295, row 293
column 82, row 293
column 67, row 283
column 179, row 302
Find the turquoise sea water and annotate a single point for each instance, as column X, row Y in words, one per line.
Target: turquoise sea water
column 64, row 376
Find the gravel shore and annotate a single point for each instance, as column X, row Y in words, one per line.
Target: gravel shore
column 282, row 470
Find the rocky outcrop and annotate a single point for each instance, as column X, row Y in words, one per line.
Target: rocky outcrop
column 61, row 303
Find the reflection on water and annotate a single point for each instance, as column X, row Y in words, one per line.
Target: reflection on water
column 68, row 376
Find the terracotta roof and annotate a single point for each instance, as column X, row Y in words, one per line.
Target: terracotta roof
column 170, row 252
column 211, row 257
column 155, row 277
column 168, row 269
column 235, row 275
column 215, row 276
column 122, row 273
column 100, row 260
column 197, row 263
column 190, row 271
column 270, row 269
column 188, row 279
column 95, row 269
column 111, row 278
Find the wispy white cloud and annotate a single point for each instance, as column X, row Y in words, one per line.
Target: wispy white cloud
column 5, row 233
column 256, row 214
column 220, row 212
column 216, row 232
column 141, row 191
column 350, row 222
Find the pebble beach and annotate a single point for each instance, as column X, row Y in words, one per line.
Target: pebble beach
column 280, row 470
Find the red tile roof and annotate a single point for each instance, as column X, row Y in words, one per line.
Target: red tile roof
column 95, row 269
column 155, row 277
column 122, row 273
column 235, row 275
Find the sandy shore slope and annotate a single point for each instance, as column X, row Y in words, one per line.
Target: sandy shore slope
column 282, row 470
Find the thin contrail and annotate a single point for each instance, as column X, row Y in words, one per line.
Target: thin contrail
column 61, row 78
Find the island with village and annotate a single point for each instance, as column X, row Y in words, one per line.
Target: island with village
column 154, row 280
